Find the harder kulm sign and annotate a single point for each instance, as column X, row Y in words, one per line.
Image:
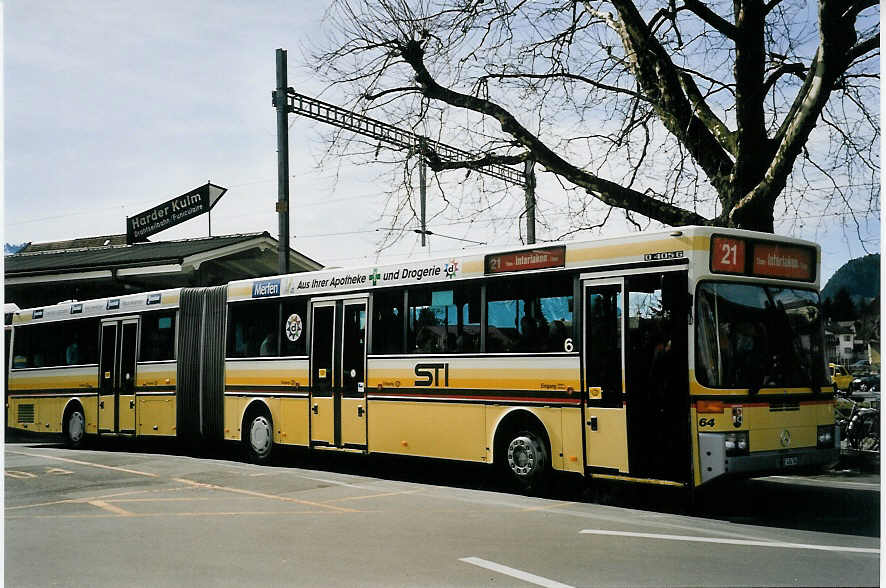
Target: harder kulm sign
column 172, row 212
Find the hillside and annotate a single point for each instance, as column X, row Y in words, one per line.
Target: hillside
column 860, row 277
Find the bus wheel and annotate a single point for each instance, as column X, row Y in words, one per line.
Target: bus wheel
column 259, row 437
column 74, row 428
column 526, row 459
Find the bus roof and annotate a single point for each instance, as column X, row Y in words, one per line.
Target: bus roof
column 667, row 246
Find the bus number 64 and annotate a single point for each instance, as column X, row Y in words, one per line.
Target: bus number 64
column 705, row 422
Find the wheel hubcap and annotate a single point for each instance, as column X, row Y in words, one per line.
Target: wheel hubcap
column 522, row 457
column 75, row 426
column 260, row 435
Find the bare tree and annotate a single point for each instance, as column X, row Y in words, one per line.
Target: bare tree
column 680, row 111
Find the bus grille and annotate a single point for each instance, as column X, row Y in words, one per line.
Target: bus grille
column 784, row 406
column 26, row 413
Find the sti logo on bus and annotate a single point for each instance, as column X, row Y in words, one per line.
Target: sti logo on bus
column 431, row 371
column 266, row 288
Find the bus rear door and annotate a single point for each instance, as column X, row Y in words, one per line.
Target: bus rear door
column 338, row 360
column 116, row 402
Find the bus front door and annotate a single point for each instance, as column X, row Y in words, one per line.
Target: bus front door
column 606, row 443
column 116, row 401
column 338, row 359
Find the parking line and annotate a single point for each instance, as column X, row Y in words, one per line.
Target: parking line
column 365, row 497
column 261, row 495
column 732, row 541
column 110, row 507
column 74, row 500
column 514, row 573
column 86, row 463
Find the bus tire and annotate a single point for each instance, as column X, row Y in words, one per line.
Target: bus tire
column 526, row 460
column 74, row 427
column 258, row 435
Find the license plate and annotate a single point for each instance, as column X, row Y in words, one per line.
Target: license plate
column 790, row 461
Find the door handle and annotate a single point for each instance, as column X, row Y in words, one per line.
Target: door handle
column 132, row 404
column 359, row 410
column 315, row 409
column 593, row 423
column 101, row 404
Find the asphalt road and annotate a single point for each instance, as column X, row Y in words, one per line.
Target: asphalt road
column 131, row 514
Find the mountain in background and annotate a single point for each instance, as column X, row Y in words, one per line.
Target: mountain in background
column 9, row 248
column 860, row 277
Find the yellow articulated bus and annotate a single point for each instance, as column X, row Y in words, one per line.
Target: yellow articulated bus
column 675, row 358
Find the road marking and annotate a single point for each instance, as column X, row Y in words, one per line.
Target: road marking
column 74, row 500
column 345, row 499
column 86, row 463
column 546, row 506
column 136, row 515
column 732, row 541
column 514, row 573
column 58, row 472
column 335, row 482
column 261, row 495
column 20, row 475
column 178, row 499
column 110, row 507
column 824, row 483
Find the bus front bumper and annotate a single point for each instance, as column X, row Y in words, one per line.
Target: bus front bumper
column 715, row 463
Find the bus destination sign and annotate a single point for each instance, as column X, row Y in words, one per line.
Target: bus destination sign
column 765, row 259
column 774, row 260
column 532, row 259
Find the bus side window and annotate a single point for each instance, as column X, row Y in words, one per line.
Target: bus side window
column 530, row 314
column 294, row 320
column 158, row 336
column 81, row 342
column 56, row 344
column 387, row 322
column 253, row 329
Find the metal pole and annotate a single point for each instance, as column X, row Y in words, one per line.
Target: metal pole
column 282, row 161
column 529, row 175
column 422, row 189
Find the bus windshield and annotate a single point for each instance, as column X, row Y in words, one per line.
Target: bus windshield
column 750, row 336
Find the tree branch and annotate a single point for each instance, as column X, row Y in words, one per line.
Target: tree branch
column 569, row 76
column 837, row 37
column 864, row 46
column 785, row 68
column 712, row 18
column 659, row 79
column 406, row 89
column 605, row 190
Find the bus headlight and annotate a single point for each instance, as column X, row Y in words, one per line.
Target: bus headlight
column 736, row 443
column 825, row 437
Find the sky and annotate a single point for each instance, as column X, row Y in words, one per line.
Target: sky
column 113, row 107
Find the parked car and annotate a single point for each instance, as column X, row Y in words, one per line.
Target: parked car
column 864, row 384
column 860, row 367
column 840, row 376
